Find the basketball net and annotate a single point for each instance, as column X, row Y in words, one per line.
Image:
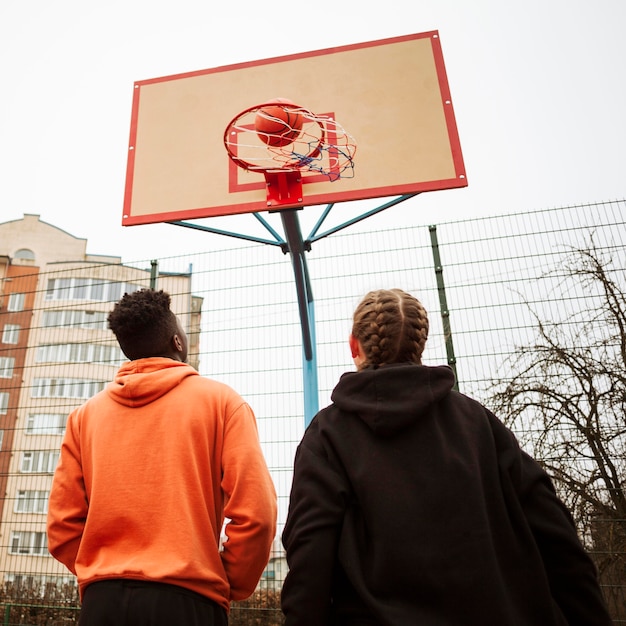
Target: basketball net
column 318, row 145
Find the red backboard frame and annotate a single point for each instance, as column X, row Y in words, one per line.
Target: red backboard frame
column 407, row 138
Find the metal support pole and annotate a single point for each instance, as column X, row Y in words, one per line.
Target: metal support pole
column 296, row 248
column 443, row 304
column 154, row 273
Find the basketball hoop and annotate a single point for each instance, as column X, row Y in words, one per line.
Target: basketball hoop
column 282, row 140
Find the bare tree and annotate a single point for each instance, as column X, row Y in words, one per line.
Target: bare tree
column 566, row 400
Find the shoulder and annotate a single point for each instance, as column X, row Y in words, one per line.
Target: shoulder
column 512, row 458
column 327, row 419
column 209, row 384
column 331, row 426
column 467, row 408
column 217, row 393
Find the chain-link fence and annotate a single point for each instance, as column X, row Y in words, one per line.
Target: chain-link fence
column 485, row 282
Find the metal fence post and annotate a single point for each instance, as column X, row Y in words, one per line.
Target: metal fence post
column 443, row 304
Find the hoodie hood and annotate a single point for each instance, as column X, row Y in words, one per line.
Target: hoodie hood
column 140, row 382
column 389, row 398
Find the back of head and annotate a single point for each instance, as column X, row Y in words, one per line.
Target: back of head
column 144, row 324
column 392, row 327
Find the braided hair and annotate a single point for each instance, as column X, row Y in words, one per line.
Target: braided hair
column 392, row 327
column 143, row 323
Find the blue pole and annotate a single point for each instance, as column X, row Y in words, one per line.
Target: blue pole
column 296, row 248
column 309, row 369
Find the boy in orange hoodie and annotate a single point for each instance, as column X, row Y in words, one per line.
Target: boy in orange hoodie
column 149, row 469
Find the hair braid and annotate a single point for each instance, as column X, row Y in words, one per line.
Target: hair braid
column 392, row 327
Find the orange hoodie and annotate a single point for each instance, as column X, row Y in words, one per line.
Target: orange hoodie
column 149, row 469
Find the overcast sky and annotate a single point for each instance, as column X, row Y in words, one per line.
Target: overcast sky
column 538, row 88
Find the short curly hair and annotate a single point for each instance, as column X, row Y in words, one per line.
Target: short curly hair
column 392, row 327
column 143, row 323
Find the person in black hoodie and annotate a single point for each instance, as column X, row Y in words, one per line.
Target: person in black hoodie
column 412, row 504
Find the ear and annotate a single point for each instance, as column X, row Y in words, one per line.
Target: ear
column 178, row 344
column 355, row 346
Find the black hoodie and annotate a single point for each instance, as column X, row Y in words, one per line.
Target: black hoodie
column 412, row 504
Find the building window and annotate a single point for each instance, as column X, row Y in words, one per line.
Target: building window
column 87, row 289
column 28, row 543
column 81, row 289
column 80, row 353
column 46, row 423
column 39, row 461
column 66, row 388
column 1, row 438
column 28, row 580
column 16, row 302
column 7, row 363
column 25, row 254
column 93, row 320
column 4, row 402
column 31, row 502
column 10, row 333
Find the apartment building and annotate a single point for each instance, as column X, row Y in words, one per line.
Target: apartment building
column 55, row 352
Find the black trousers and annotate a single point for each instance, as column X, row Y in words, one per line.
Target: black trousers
column 123, row 602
